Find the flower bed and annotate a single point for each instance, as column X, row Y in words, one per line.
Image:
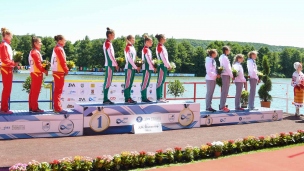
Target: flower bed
column 131, row 160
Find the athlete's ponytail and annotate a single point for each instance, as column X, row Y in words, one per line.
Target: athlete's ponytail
column 34, row 40
column 159, row 37
column 109, row 31
column 147, row 38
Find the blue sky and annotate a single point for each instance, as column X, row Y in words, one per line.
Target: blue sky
column 276, row 22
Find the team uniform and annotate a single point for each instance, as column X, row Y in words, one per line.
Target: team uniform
column 253, row 74
column 239, row 84
column 226, row 76
column 162, row 69
column 35, row 59
column 110, row 63
column 7, row 65
column 130, row 67
column 147, row 70
column 59, row 68
column 210, row 77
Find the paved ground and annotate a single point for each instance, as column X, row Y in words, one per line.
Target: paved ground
column 289, row 159
column 48, row 149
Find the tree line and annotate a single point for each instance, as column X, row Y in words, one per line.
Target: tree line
column 189, row 55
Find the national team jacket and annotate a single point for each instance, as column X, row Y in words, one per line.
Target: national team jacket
column 252, row 69
column 210, row 66
column 6, row 54
column 162, row 54
column 130, row 57
column 147, row 59
column 225, row 63
column 109, row 54
column 35, row 60
column 58, row 61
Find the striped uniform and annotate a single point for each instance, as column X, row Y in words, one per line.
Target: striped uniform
column 35, row 59
column 147, row 70
column 162, row 69
column 130, row 67
column 110, row 63
column 7, row 65
column 59, row 68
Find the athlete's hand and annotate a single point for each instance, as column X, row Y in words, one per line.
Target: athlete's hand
column 155, row 70
column 16, row 63
column 218, row 76
column 117, row 68
column 46, row 72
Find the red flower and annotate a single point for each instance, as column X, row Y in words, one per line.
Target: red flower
column 209, row 144
column 55, row 162
column 231, row 141
column 290, row 133
column 178, row 149
column 159, row 151
column 300, row 131
column 142, row 153
column 282, row 134
column 245, row 139
column 99, row 158
column 261, row 138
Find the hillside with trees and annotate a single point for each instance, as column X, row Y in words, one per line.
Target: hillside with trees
column 188, row 54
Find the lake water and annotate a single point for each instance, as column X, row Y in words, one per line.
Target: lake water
column 282, row 90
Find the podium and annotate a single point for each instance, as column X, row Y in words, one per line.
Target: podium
column 120, row 118
column 23, row 124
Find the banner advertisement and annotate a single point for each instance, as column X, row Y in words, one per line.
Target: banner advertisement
column 79, row 92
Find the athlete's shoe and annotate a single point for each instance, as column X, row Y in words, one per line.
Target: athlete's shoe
column 130, row 101
column 225, row 109
column 211, row 109
column 240, row 109
column 162, row 100
column 108, row 102
column 37, row 111
column 146, row 101
column 8, row 112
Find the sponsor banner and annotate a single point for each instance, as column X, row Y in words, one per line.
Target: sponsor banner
column 75, row 92
column 264, row 116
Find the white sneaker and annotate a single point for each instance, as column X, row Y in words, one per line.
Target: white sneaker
column 162, row 100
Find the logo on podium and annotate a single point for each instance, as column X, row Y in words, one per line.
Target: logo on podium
column 66, row 126
column 100, row 121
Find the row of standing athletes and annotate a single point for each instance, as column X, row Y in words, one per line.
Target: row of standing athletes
column 60, row 69
column 226, row 75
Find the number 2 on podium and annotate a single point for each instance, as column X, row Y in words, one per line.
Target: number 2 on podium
column 99, row 121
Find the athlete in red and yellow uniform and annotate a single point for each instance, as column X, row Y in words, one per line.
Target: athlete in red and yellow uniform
column 7, row 65
column 35, row 59
column 60, row 70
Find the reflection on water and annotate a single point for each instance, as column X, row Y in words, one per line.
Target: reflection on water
column 278, row 90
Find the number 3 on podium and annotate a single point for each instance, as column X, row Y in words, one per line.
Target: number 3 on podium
column 99, row 121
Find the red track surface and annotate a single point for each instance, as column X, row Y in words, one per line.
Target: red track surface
column 289, row 159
